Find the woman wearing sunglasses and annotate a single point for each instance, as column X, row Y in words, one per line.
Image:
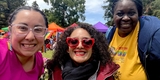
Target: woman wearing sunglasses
column 19, row 56
column 81, row 53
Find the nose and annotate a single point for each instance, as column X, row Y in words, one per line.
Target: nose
column 30, row 36
column 126, row 18
column 80, row 46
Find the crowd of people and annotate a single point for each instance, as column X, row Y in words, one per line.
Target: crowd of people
column 50, row 43
column 130, row 50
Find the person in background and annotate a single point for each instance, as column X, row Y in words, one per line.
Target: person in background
column 19, row 56
column 81, row 54
column 134, row 41
column 54, row 45
column 48, row 45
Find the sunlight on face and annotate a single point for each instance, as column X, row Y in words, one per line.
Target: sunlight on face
column 29, row 44
column 80, row 54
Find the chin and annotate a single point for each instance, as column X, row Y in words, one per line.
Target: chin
column 28, row 54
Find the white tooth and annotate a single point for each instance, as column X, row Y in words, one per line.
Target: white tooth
column 126, row 24
column 28, row 45
column 79, row 52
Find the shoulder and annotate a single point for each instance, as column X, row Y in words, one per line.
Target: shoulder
column 110, row 32
column 39, row 63
column 149, row 32
column 109, row 67
column 107, row 70
column 3, row 42
column 57, row 73
column 4, row 54
column 149, row 27
column 146, row 21
column 4, row 48
column 39, row 58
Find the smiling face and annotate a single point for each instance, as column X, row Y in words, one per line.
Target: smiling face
column 125, row 16
column 80, row 54
column 27, row 45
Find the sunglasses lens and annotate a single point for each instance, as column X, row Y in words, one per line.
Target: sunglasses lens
column 72, row 42
column 87, row 43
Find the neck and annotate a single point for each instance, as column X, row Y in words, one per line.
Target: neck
column 27, row 62
column 123, row 34
column 24, row 59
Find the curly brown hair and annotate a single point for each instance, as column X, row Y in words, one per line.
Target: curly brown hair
column 100, row 48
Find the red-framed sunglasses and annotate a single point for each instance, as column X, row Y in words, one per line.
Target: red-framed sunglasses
column 74, row 42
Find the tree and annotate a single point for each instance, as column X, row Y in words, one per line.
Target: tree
column 66, row 12
column 155, row 8
column 108, row 12
column 49, row 14
column 34, row 4
column 6, row 8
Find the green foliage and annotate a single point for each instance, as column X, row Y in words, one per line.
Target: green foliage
column 156, row 13
column 155, row 8
column 34, row 4
column 6, row 8
column 108, row 12
column 65, row 12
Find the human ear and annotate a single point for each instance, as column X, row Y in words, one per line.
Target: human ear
column 9, row 29
column 67, row 51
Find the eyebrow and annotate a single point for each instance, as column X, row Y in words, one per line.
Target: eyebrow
column 131, row 9
column 27, row 24
column 23, row 23
column 38, row 26
column 123, row 10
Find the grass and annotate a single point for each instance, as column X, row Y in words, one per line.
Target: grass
column 48, row 54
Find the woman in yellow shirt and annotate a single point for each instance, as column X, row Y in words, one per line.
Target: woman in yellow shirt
column 129, row 41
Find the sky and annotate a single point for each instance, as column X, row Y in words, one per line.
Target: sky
column 94, row 12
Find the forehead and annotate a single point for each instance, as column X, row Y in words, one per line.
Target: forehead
column 125, row 5
column 29, row 17
column 80, row 33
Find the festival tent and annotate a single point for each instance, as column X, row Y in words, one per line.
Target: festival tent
column 5, row 29
column 100, row 27
column 54, row 27
column 1, row 31
column 49, row 34
column 73, row 25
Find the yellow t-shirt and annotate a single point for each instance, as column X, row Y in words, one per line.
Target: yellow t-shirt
column 125, row 54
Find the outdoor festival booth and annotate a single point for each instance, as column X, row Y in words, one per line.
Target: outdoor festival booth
column 5, row 29
column 73, row 25
column 4, row 32
column 1, row 30
column 53, row 29
column 101, row 27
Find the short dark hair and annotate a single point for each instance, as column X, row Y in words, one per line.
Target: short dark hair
column 13, row 15
column 138, row 4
